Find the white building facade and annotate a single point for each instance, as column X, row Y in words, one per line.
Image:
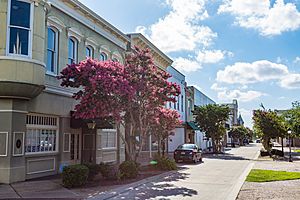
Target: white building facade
column 179, row 133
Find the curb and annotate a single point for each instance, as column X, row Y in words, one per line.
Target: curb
column 131, row 186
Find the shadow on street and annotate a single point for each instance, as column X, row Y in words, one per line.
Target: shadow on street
column 162, row 189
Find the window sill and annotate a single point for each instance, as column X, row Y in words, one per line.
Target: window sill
column 51, row 74
column 37, row 154
column 109, row 149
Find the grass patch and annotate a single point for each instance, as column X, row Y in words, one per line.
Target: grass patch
column 297, row 150
column 258, row 175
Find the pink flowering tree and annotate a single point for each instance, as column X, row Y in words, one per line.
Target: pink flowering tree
column 129, row 94
column 102, row 88
column 152, row 91
column 166, row 120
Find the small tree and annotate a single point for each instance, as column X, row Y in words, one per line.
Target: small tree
column 166, row 120
column 211, row 120
column 238, row 133
column 268, row 125
column 292, row 118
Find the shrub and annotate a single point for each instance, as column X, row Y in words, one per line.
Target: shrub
column 165, row 163
column 94, row 169
column 129, row 169
column 109, row 171
column 75, row 175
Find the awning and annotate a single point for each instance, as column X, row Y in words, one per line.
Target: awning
column 192, row 125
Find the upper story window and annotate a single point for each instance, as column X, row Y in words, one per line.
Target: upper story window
column 20, row 27
column 103, row 56
column 115, row 60
column 89, row 52
column 181, row 103
column 178, row 103
column 72, row 50
column 52, row 48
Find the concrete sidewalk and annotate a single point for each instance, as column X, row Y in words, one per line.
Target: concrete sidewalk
column 46, row 189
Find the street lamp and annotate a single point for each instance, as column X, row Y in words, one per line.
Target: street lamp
column 290, row 134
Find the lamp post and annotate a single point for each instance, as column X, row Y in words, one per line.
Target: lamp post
column 290, row 154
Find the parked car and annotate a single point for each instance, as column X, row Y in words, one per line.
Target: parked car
column 188, row 152
column 258, row 141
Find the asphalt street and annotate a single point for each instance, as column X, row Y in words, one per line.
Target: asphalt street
column 218, row 177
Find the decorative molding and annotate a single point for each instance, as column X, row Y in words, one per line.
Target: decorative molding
column 42, row 171
column 23, row 59
column 74, row 32
column 14, row 111
column 6, row 145
column 56, row 23
column 91, row 42
column 23, row 143
column 105, row 49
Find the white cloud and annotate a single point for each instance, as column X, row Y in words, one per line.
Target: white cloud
column 261, row 16
column 217, row 87
column 291, row 81
column 297, row 60
column 245, row 113
column 228, row 95
column 180, row 29
column 244, row 73
column 210, row 56
column 186, row 65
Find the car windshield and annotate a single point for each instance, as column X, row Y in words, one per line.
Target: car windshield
column 187, row 146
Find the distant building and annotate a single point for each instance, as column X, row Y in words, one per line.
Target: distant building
column 196, row 98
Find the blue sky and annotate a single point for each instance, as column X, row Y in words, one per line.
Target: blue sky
column 243, row 49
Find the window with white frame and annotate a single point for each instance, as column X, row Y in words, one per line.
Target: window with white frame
column 89, row 51
column 108, row 138
column 52, row 50
column 41, row 134
column 182, row 103
column 103, row 56
column 20, row 27
column 115, row 60
column 72, row 50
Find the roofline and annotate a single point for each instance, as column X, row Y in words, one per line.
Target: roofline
column 94, row 15
column 142, row 37
column 189, row 86
column 177, row 70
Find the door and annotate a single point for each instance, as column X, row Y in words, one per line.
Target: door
column 88, row 145
column 75, row 148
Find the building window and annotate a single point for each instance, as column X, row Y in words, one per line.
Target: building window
column 181, row 103
column 72, row 50
column 52, row 47
column 42, row 134
column 103, row 56
column 108, row 139
column 115, row 60
column 178, row 103
column 19, row 27
column 89, row 51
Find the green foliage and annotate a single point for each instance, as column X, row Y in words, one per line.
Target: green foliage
column 109, row 171
column 239, row 132
column 267, row 125
column 258, row 175
column 211, row 120
column 94, row 169
column 292, row 117
column 165, row 163
column 75, row 175
column 129, row 169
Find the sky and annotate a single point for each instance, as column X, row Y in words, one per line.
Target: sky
column 247, row 50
